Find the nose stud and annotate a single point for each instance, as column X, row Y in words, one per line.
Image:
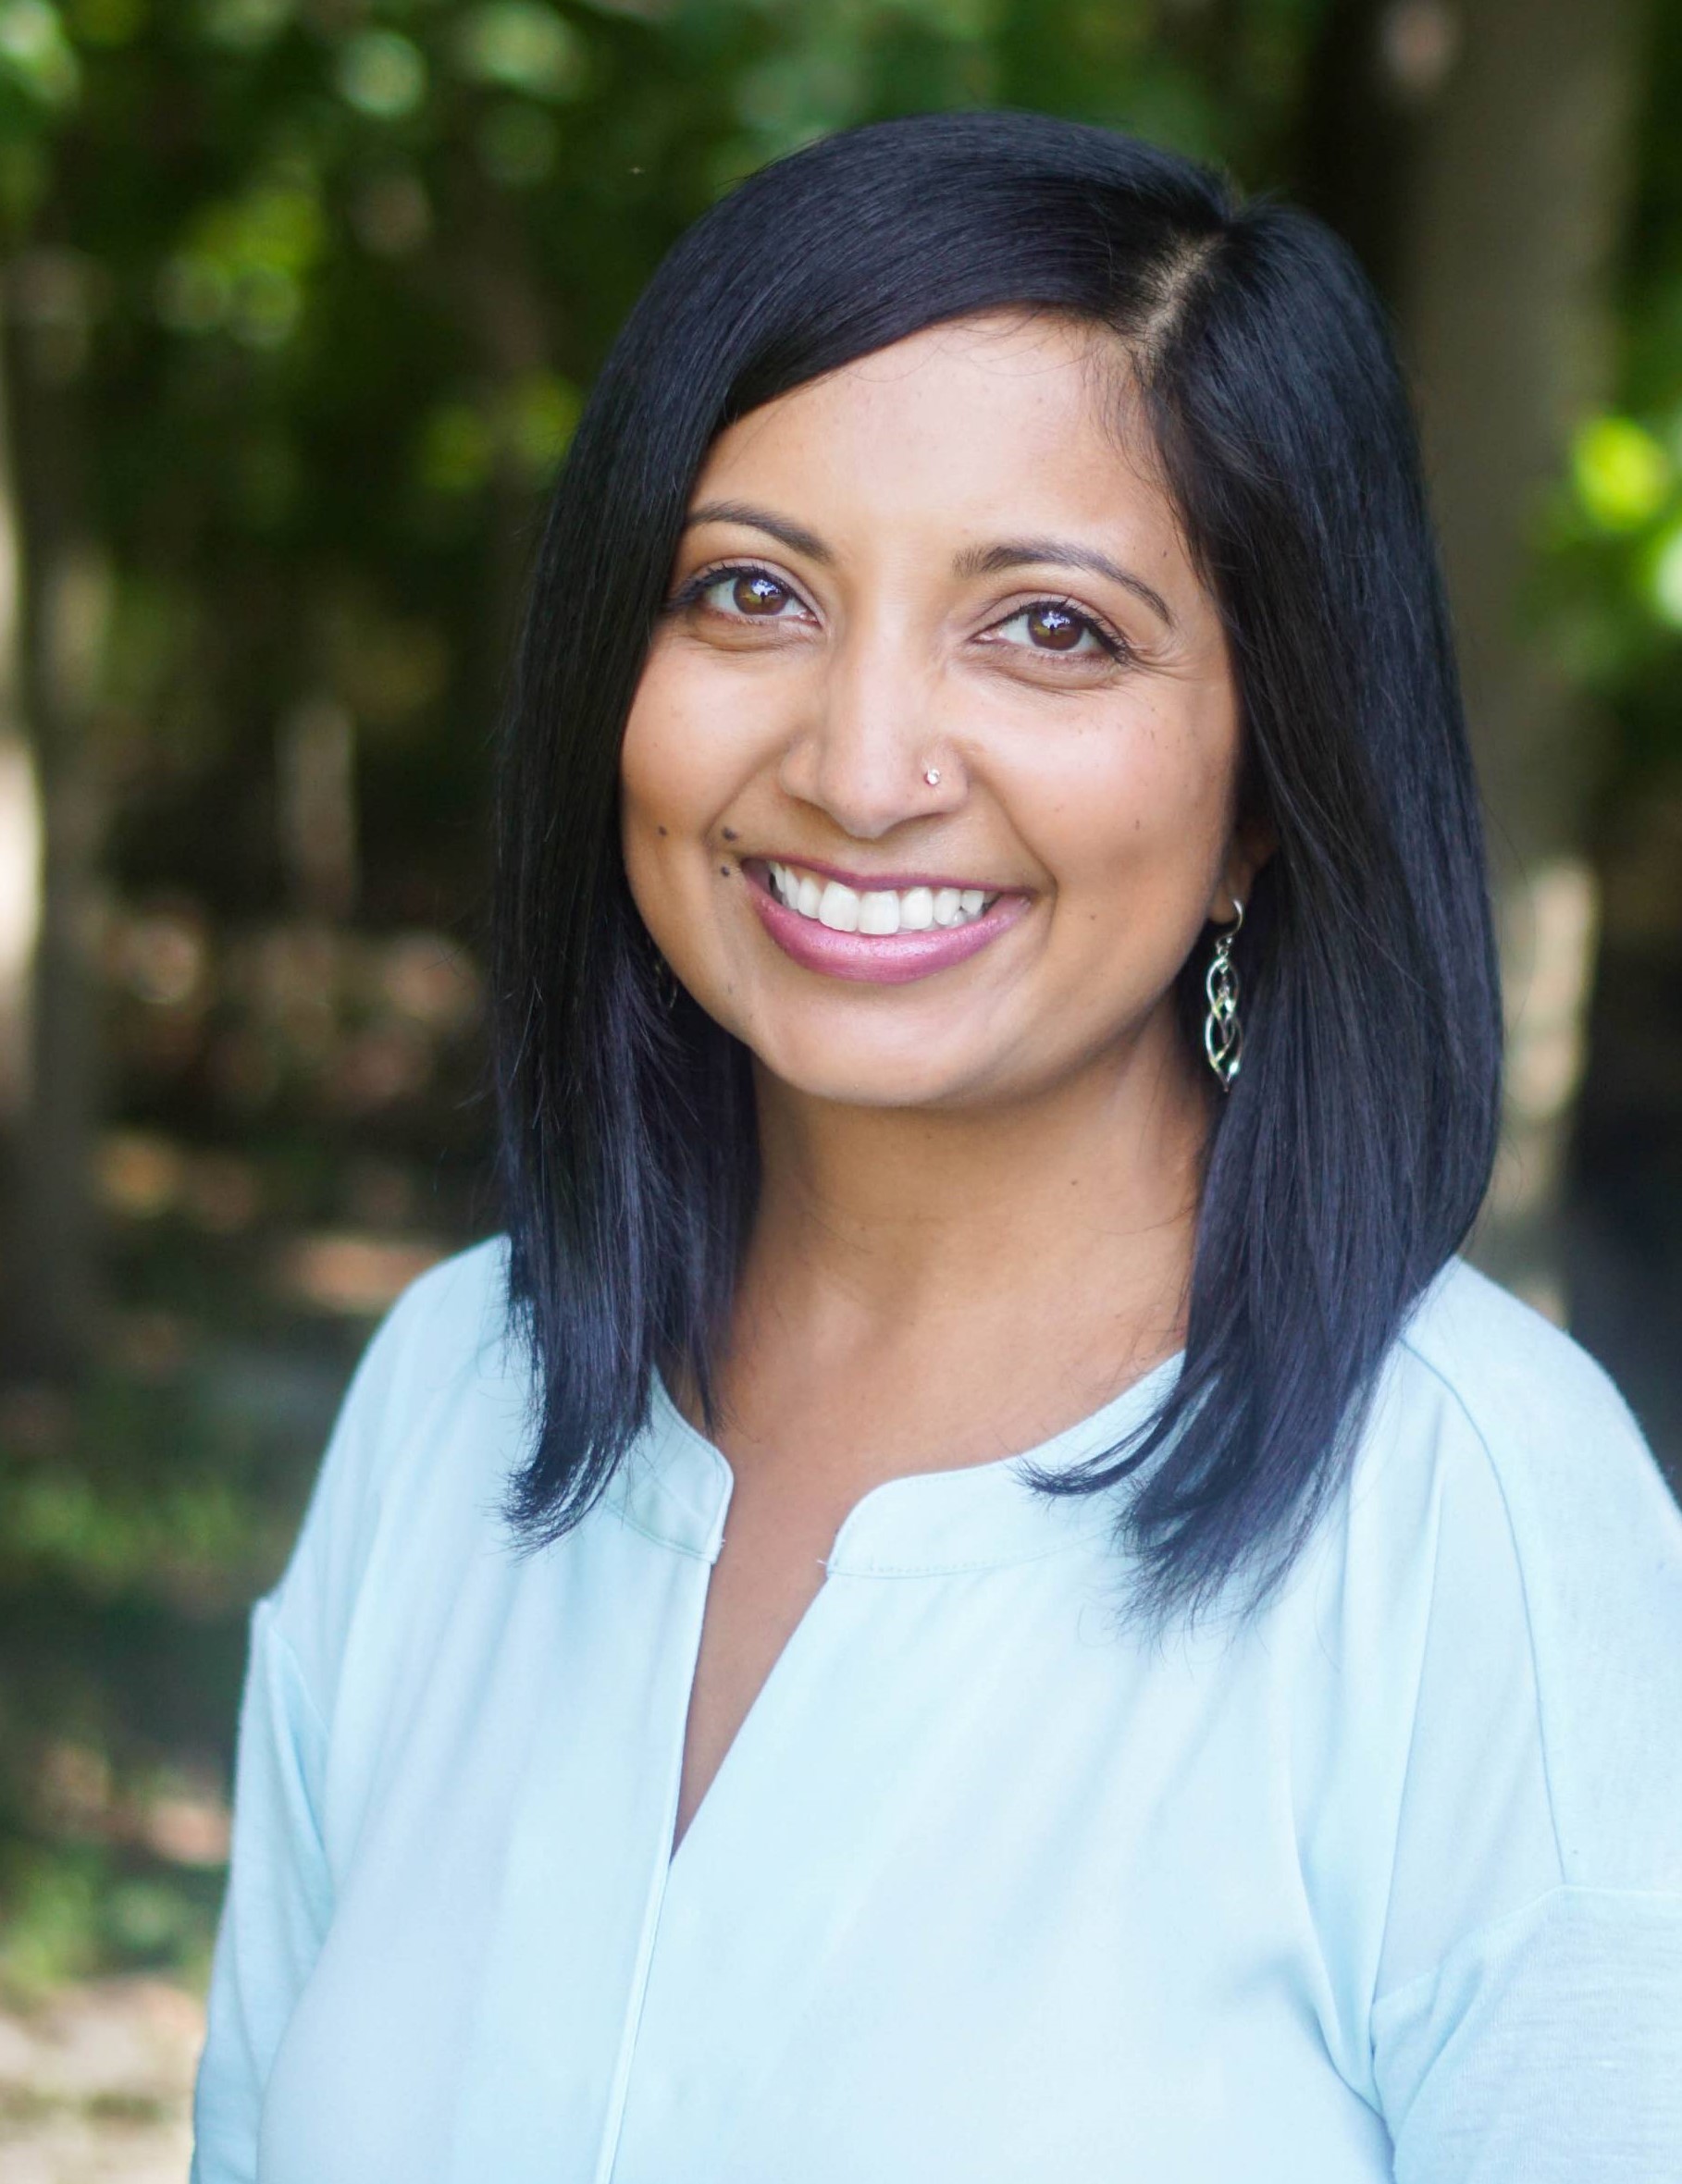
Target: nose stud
column 932, row 775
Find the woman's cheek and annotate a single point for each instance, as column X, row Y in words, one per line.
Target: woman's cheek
column 699, row 732
column 1134, row 858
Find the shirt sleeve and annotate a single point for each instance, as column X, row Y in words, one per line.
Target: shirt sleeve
column 1546, row 2050
column 1528, row 2025
column 278, row 1901
column 279, row 1898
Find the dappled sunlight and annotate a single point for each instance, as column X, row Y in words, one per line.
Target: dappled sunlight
column 359, row 1275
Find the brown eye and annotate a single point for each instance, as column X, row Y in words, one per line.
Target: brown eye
column 745, row 594
column 1050, row 626
column 759, row 594
column 1055, row 629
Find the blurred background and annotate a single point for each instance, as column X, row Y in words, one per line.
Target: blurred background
column 298, row 301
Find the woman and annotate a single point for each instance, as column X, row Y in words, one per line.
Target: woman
column 1056, row 1632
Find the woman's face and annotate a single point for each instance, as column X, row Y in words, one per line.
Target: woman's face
column 929, row 780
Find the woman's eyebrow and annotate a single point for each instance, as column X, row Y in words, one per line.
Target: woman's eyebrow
column 793, row 536
column 1011, row 554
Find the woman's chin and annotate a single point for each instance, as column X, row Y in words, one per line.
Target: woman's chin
column 853, row 1072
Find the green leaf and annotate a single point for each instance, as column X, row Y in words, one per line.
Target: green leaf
column 522, row 46
column 245, row 25
column 382, row 74
column 1622, row 473
column 456, row 450
column 1665, row 578
column 36, row 52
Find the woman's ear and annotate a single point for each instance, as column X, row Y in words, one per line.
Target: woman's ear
column 1253, row 842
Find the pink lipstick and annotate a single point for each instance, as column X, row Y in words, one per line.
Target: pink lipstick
column 879, row 958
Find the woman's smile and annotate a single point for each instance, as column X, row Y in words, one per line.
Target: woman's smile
column 889, row 930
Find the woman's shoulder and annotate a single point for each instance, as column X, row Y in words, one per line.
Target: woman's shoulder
column 452, row 1319
column 417, row 1459
column 1486, row 1382
column 446, row 1347
column 444, row 1342
column 1519, row 1378
column 1489, row 1408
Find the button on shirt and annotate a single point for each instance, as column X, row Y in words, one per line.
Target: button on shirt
column 1383, row 1882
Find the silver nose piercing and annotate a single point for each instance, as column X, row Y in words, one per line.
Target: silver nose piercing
column 932, row 776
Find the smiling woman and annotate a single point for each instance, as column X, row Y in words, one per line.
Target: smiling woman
column 1056, row 1631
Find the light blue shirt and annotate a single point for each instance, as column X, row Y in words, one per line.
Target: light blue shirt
column 1385, row 1883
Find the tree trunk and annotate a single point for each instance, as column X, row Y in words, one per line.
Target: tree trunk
column 63, row 595
column 1506, row 300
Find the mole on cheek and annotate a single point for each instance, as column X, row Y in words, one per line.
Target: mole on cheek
column 659, row 830
column 723, row 871
column 730, row 834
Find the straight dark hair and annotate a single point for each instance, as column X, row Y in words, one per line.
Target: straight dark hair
column 1354, row 1148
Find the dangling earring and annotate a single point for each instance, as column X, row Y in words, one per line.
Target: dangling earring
column 665, row 984
column 1223, row 1036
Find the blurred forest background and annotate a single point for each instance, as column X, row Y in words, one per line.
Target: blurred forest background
column 298, row 300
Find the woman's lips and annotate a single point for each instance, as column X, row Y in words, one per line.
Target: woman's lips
column 888, row 960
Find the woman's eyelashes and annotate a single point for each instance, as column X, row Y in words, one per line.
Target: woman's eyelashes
column 742, row 593
column 745, row 595
column 1057, row 629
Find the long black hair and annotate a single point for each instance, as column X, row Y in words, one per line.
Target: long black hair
column 1353, row 1151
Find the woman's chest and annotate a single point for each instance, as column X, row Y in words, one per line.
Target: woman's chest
column 975, row 1892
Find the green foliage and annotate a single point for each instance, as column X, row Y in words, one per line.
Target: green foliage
column 524, row 46
column 76, row 1911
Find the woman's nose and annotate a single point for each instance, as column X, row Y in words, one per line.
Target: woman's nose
column 874, row 753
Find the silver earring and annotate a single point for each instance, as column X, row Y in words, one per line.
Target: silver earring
column 932, row 776
column 1223, row 1036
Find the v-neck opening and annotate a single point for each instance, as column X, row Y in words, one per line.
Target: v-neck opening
column 942, row 1522
column 775, row 1676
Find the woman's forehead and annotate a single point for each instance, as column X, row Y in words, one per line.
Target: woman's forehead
column 1007, row 425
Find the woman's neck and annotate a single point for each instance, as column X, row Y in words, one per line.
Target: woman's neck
column 1030, row 1257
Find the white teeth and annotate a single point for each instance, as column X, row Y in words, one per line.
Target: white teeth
column 879, row 911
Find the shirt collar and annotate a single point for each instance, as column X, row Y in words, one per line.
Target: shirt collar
column 675, row 1487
